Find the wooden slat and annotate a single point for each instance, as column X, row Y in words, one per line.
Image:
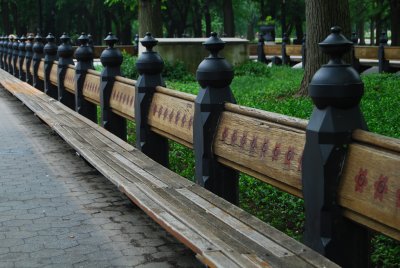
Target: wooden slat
column 270, row 149
column 366, row 52
column 377, row 140
column 293, row 50
column 41, row 70
column 91, row 88
column 370, row 185
column 24, row 65
column 53, row 74
column 69, row 80
column 172, row 115
column 392, row 53
column 122, row 100
column 273, row 50
column 252, row 49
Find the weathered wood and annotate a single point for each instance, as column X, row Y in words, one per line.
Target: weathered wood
column 172, row 115
column 377, row 140
column 41, row 70
column 268, row 148
column 69, row 79
column 53, row 74
column 272, row 50
column 392, row 53
column 122, row 100
column 91, row 87
column 366, row 52
column 293, row 50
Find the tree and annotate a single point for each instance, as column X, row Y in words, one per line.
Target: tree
column 395, row 21
column 229, row 21
column 320, row 17
column 150, row 17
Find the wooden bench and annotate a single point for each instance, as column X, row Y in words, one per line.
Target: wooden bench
column 221, row 234
column 265, row 145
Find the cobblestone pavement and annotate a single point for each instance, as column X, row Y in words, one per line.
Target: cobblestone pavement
column 56, row 211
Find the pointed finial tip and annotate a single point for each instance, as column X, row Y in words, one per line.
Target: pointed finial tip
column 213, row 34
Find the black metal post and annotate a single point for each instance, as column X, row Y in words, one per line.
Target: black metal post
column 21, row 57
column 383, row 64
column 303, row 52
column 14, row 59
column 5, row 53
column 136, row 44
column 28, row 59
column 84, row 57
column 65, row 53
column 214, row 75
column 1, row 51
column 50, row 55
column 36, row 59
column 149, row 66
column 111, row 58
column 260, row 49
column 10, row 54
column 336, row 90
column 285, row 57
column 354, row 61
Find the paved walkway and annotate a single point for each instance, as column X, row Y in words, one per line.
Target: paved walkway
column 56, row 211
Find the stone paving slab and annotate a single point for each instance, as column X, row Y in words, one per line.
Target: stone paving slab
column 57, row 211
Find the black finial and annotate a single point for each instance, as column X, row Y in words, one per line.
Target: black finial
column 50, row 38
column 354, row 38
column 214, row 44
column 383, row 39
column 83, row 39
column 336, row 84
column 285, row 38
column 111, row 40
column 336, row 44
column 65, row 38
column 149, row 42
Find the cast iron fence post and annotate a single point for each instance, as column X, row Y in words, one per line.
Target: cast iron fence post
column 50, row 52
column 28, row 59
column 149, row 66
column 214, row 75
column 84, row 57
column 10, row 53
column 303, row 52
column 336, row 90
column 383, row 64
column 1, row 51
column 37, row 58
column 260, row 49
column 21, row 57
column 15, row 53
column 65, row 53
column 354, row 61
column 285, row 57
column 111, row 58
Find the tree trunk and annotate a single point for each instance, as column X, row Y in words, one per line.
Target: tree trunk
column 5, row 15
column 360, row 31
column 196, row 14
column 320, row 17
column 207, row 17
column 395, row 21
column 229, row 23
column 150, row 17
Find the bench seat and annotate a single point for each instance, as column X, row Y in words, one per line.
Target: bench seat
column 221, row 234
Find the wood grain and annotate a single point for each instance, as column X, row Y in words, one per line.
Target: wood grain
column 172, row 115
column 293, row 50
column 392, row 53
column 272, row 50
column 41, row 70
column 53, row 74
column 366, row 52
column 122, row 100
column 69, row 80
column 91, row 88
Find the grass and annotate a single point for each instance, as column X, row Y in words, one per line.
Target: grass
column 273, row 89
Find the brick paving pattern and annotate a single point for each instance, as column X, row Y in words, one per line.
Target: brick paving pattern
column 57, row 211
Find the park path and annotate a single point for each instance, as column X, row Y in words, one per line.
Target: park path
column 57, row 211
